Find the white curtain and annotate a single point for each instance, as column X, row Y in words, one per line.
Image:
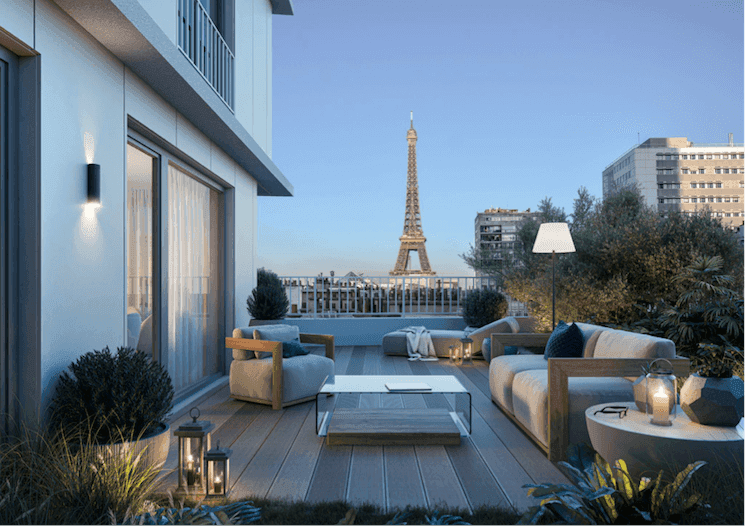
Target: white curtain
column 192, row 301
column 139, row 251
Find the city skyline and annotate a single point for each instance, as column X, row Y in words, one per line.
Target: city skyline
column 512, row 103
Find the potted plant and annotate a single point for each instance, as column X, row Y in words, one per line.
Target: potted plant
column 713, row 395
column 268, row 300
column 115, row 401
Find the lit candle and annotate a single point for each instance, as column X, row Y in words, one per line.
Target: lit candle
column 190, row 478
column 218, row 485
column 660, row 408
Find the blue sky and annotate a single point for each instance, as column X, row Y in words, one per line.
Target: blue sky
column 512, row 101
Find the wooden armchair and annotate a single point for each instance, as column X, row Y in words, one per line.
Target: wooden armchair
column 306, row 371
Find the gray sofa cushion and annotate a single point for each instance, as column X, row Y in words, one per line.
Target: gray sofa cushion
column 502, row 371
column 530, row 401
column 276, row 333
column 301, row 377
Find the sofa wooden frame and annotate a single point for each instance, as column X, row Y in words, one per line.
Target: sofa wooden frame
column 559, row 372
column 249, row 344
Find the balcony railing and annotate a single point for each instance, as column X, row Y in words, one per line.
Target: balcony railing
column 326, row 297
column 201, row 42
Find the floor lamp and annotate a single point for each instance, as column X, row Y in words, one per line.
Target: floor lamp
column 553, row 238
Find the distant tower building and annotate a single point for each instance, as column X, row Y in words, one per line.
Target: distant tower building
column 413, row 238
column 496, row 231
column 675, row 174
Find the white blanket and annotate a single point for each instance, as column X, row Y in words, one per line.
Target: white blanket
column 419, row 344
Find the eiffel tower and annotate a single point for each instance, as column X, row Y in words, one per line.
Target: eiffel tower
column 413, row 238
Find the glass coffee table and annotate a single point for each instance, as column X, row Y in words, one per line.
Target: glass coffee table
column 388, row 424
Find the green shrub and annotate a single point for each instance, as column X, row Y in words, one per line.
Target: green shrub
column 106, row 396
column 268, row 300
column 483, row 306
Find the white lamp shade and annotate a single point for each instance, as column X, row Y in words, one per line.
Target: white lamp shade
column 553, row 237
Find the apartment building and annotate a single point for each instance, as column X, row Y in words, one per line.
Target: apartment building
column 495, row 231
column 675, row 174
column 135, row 137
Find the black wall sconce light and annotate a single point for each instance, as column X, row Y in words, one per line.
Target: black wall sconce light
column 94, row 188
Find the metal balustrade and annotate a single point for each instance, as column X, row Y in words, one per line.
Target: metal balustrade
column 399, row 296
column 201, row 42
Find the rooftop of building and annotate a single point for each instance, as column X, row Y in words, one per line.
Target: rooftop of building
column 674, row 142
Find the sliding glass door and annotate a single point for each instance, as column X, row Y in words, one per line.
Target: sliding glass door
column 194, row 279
column 174, row 281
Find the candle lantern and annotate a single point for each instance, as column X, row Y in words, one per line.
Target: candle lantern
column 193, row 441
column 661, row 393
column 217, row 463
column 466, row 349
column 456, row 355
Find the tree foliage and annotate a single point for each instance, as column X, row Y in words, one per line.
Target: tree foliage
column 626, row 257
column 268, row 300
column 483, row 306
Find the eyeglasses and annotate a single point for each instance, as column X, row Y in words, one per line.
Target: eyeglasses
column 620, row 410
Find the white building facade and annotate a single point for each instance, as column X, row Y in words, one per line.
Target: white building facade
column 172, row 100
column 676, row 174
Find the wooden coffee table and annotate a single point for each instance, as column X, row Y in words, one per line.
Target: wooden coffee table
column 387, row 425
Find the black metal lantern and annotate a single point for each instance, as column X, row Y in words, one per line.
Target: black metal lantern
column 193, row 441
column 466, row 349
column 217, row 464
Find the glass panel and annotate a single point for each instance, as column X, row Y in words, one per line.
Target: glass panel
column 140, row 177
column 194, row 217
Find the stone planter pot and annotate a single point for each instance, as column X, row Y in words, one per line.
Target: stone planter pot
column 640, row 393
column 155, row 446
column 713, row 401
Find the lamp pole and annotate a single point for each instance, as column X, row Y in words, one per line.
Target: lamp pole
column 553, row 289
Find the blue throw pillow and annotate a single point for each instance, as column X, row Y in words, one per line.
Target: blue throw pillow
column 510, row 349
column 293, row 348
column 565, row 342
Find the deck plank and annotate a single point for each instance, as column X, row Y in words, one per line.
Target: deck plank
column 259, row 474
column 294, row 477
column 403, row 483
column 329, row 481
column 441, row 484
column 508, row 472
column 246, row 446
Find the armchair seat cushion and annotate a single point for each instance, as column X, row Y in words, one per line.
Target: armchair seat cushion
column 530, row 401
column 502, row 371
column 302, row 376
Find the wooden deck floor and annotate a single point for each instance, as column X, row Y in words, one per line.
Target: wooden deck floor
column 276, row 454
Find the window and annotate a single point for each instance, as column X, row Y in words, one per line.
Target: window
column 702, row 170
column 717, row 156
column 660, row 186
column 728, row 214
column 726, row 199
column 726, row 170
column 719, row 170
column 694, row 185
column 735, row 199
column 719, row 199
column 684, row 156
column 660, row 200
column 708, row 156
column 694, row 200
column 711, row 185
column 717, row 185
column 685, row 170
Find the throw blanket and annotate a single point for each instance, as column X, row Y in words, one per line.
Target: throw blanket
column 419, row 344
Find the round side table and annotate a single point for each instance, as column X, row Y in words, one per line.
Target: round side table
column 646, row 448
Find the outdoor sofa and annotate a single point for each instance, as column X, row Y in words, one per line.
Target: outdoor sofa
column 547, row 399
column 394, row 343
